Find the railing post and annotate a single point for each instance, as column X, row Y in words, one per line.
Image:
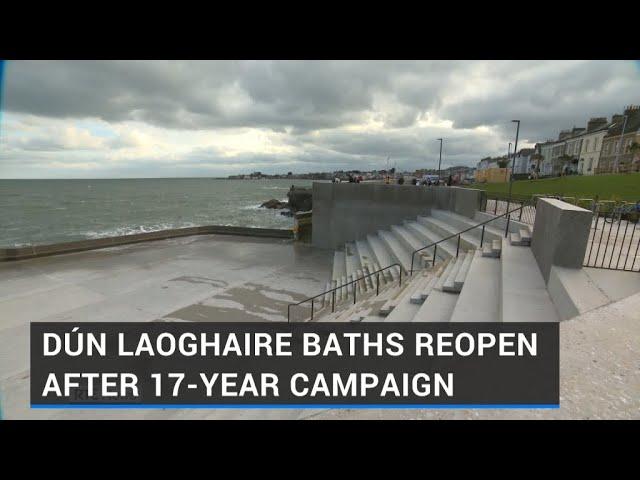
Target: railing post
column 354, row 292
column 482, row 236
column 333, row 302
column 312, row 309
column 288, row 313
column 458, row 247
column 435, row 250
column 506, row 230
column 521, row 208
column 412, row 256
column 377, row 283
column 495, row 210
column 400, row 284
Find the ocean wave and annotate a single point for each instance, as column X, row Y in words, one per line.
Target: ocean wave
column 132, row 230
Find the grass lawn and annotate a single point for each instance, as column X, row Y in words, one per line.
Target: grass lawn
column 606, row 187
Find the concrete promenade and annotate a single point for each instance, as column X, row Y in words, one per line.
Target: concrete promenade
column 599, row 373
column 200, row 278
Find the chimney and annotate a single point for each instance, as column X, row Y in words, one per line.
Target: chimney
column 564, row 134
column 632, row 110
column 577, row 130
column 595, row 123
column 617, row 118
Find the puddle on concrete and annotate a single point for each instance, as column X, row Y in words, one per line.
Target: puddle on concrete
column 204, row 280
column 247, row 303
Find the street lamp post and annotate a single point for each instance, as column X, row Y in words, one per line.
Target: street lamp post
column 515, row 149
column 508, row 157
column 439, row 161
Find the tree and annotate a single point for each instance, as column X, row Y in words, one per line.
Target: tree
column 634, row 149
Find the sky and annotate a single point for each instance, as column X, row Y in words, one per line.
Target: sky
column 119, row 119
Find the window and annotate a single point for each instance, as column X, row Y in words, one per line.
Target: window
column 595, row 143
column 590, row 164
column 586, row 146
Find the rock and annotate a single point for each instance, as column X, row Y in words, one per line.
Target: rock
column 273, row 203
column 300, row 199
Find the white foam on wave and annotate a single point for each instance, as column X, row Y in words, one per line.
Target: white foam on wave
column 132, row 230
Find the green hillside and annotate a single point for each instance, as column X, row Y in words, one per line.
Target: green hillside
column 606, row 187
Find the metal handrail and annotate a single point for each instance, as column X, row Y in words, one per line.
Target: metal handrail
column 334, row 289
column 482, row 224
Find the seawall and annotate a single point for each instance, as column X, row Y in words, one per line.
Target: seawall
column 344, row 212
column 34, row 251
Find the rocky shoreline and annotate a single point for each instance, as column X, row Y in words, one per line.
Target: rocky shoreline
column 299, row 200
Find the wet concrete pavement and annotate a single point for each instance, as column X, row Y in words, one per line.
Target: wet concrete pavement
column 204, row 278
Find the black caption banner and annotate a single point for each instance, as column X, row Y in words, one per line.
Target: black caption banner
column 301, row 364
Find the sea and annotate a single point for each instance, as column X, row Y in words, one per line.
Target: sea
column 37, row 212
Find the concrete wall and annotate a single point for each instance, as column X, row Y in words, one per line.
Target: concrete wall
column 345, row 212
column 560, row 235
column 82, row 245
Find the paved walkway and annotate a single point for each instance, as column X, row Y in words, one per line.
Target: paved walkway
column 599, row 373
column 203, row 278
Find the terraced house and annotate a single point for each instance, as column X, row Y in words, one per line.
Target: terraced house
column 618, row 151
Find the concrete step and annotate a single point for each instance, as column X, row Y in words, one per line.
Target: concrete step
column 364, row 253
column 467, row 240
column 339, row 267
column 349, row 285
column 524, row 292
column 438, row 307
column 445, row 249
column 368, row 280
column 514, row 239
column 339, row 283
column 326, row 298
column 460, row 278
column 383, row 277
column 391, row 303
column 494, row 249
column 525, row 236
column 501, row 223
column 461, row 222
column 426, row 237
column 382, row 255
column 350, row 260
column 420, row 295
column 407, row 238
column 405, row 309
column 411, row 242
column 444, row 273
column 396, row 249
column 479, row 300
column 449, row 284
column 362, row 281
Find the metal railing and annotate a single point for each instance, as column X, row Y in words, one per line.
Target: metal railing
column 495, row 202
column 626, row 217
column 458, row 234
column 345, row 286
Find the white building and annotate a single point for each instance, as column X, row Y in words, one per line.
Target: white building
column 592, row 144
column 522, row 164
column 546, row 166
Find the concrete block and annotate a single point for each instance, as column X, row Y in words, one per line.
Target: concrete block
column 560, row 235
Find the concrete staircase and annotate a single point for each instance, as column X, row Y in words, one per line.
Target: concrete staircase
column 483, row 277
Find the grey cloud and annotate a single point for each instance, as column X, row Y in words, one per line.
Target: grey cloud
column 311, row 102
